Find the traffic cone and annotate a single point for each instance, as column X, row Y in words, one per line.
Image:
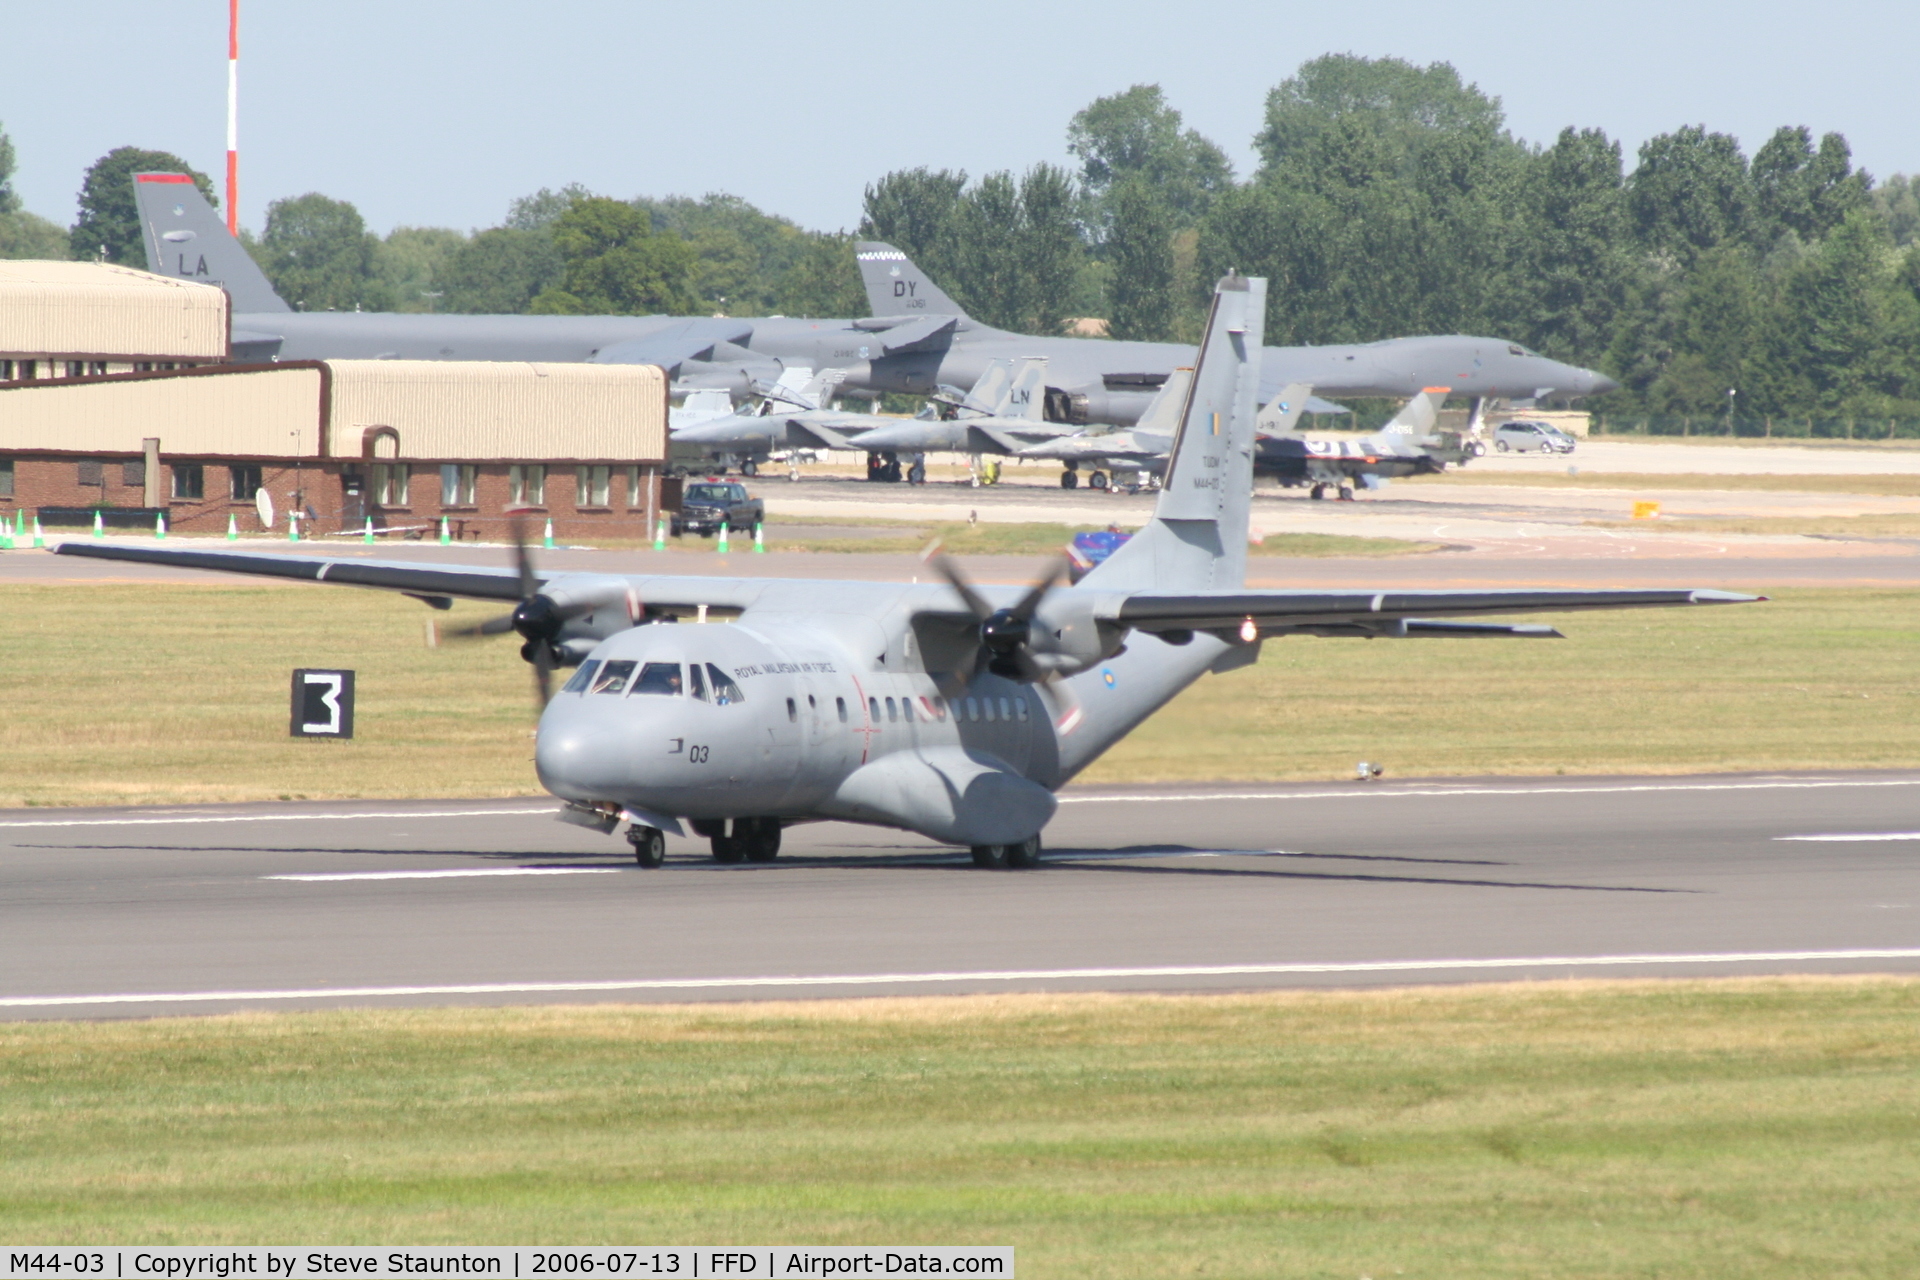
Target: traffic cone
column 99, row 529
column 20, row 525
column 233, row 528
column 367, row 537
column 721, row 546
column 39, row 540
column 446, row 539
column 759, row 542
column 160, row 525
column 6, row 535
column 547, row 542
column 660, row 535
column 293, row 526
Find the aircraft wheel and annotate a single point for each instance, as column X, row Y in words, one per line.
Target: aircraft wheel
column 991, row 856
column 1098, row 480
column 758, row 838
column 1025, row 854
column 917, row 473
column 1318, row 492
column 749, row 468
column 649, row 846
column 1346, row 493
column 1069, row 479
column 729, row 849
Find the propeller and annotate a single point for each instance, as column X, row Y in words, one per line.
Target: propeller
column 536, row 618
column 1006, row 636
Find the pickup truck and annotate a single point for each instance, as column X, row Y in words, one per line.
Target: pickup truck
column 706, row 503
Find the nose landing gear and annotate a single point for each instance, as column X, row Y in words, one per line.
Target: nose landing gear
column 649, row 845
column 1003, row 856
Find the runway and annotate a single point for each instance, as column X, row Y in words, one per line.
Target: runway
column 116, row 913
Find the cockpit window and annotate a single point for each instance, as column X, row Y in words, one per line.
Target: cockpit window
column 696, row 683
column 1515, row 349
column 658, row 677
column 583, row 678
column 724, row 689
column 613, row 678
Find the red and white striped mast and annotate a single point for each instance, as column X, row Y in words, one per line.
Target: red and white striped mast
column 233, row 117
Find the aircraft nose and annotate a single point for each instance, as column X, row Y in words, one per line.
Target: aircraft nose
column 572, row 760
column 1599, row 384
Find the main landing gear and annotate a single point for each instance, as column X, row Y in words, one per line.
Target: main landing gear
column 1319, row 491
column 750, row 840
column 1000, row 856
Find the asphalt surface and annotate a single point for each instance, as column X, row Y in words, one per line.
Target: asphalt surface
column 114, row 913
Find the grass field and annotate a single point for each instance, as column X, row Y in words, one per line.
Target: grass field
column 1744, row 1128
column 122, row 694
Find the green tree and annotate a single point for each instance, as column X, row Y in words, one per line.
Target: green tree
column 1403, row 105
column 109, row 223
column 1577, row 273
column 1136, row 134
column 918, row 212
column 499, row 271
column 822, row 280
column 409, row 268
column 1690, row 193
column 616, row 265
column 9, row 200
column 318, row 253
column 1897, row 201
column 22, row 234
column 1139, row 249
column 1715, row 317
column 1798, row 189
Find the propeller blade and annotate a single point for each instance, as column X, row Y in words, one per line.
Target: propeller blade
column 1056, row 570
column 944, row 565
column 495, row 626
column 542, row 675
column 523, row 559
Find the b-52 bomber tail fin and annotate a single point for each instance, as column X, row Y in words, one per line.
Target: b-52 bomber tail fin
column 895, row 287
column 186, row 240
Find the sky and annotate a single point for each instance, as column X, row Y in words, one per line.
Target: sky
column 440, row 113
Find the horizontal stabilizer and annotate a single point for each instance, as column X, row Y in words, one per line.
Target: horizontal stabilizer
column 925, row 333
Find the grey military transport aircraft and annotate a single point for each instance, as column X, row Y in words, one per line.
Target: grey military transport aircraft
column 916, row 340
column 946, row 709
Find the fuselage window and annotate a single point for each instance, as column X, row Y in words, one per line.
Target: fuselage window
column 841, row 703
column 1020, row 707
column 793, row 712
column 873, row 710
column 658, row 677
column 939, row 706
column 891, row 713
column 986, row 710
column 696, row 683
column 724, row 689
column 1006, row 709
column 614, row 677
column 583, row 678
column 812, row 706
column 973, row 707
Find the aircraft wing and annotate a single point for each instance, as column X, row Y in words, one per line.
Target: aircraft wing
column 677, row 343
column 1382, row 613
column 476, row 582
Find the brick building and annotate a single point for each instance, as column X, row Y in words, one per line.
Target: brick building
column 402, row 443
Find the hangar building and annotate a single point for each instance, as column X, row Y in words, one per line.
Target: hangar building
column 119, row 401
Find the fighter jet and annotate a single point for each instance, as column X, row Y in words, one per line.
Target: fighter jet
column 916, row 340
column 942, row 708
column 1407, row 446
column 1015, row 420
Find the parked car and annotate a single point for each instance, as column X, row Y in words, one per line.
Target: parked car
column 706, row 504
column 1524, row 436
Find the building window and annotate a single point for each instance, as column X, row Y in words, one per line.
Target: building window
column 390, row 484
column 633, row 487
column 28, row 369
column 98, row 368
column 246, row 481
column 6, row 477
column 189, row 480
column 6, row 371
column 91, row 474
column 527, row 486
column 143, row 366
column 459, row 482
column 76, row 368
column 133, row 475
column 591, row 485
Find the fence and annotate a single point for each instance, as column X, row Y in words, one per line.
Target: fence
column 1756, row 427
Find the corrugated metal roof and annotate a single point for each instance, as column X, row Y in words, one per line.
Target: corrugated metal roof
column 502, row 411
column 441, row 411
column 257, row 414
column 104, row 311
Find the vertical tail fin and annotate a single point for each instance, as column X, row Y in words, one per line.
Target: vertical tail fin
column 1282, row 414
column 1197, row 539
column 187, row 240
column 1416, row 418
column 895, row 287
column 1027, row 391
column 989, row 390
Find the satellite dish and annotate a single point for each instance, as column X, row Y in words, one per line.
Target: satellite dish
column 263, row 503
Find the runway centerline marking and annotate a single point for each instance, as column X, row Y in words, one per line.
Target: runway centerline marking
column 985, row 975
column 1372, row 793
column 274, row 817
column 448, row 873
column 1859, row 835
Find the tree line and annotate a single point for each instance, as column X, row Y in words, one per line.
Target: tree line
column 1388, row 199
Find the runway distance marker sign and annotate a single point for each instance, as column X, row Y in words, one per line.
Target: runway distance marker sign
column 322, row 703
